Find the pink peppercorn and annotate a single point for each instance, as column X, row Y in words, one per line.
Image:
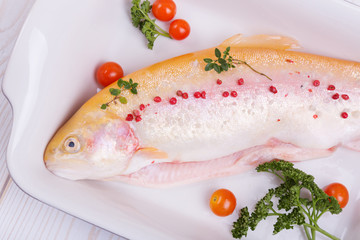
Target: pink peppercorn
column 129, row 117
column 173, row 101
column 345, row 96
column 233, row 94
column 136, row 113
column 316, row 83
column 331, row 88
column 197, row 94
column 335, row 96
column 225, row 94
column 240, row 81
column 157, row 99
column 273, row 89
column 185, row 95
column 203, row 94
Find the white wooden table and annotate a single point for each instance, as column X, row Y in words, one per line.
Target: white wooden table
column 21, row 216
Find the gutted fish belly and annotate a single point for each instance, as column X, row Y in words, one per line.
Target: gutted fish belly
column 187, row 124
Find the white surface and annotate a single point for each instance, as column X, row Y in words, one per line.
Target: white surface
column 21, row 216
column 64, row 41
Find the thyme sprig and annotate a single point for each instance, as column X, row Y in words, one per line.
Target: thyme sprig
column 123, row 85
column 226, row 61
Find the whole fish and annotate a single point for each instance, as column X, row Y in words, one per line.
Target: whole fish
column 186, row 124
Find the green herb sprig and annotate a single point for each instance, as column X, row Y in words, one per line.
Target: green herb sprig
column 292, row 209
column 123, row 85
column 225, row 62
column 140, row 19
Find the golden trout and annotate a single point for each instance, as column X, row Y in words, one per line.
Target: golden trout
column 186, row 124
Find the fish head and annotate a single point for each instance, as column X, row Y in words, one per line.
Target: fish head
column 95, row 145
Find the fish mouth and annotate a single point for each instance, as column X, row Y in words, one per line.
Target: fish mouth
column 72, row 169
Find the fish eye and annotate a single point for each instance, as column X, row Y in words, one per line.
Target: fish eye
column 72, row 145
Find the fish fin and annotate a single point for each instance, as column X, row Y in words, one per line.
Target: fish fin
column 354, row 145
column 264, row 41
column 151, row 153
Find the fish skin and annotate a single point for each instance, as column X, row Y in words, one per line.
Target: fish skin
column 196, row 131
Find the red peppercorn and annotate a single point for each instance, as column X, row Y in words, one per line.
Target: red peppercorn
column 273, row 89
column 233, row 93
column 197, row 94
column 335, row 96
column 315, row 116
column 331, row 88
column 173, row 101
column 316, row 83
column 344, row 115
column 225, row 94
column 136, row 113
column 203, row 94
column 142, row 107
column 157, row 99
column 129, row 117
column 345, row 96
column 179, row 93
column 138, row 118
column 219, row 82
column 240, row 81
column 185, row 95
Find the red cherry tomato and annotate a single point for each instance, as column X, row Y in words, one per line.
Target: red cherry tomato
column 338, row 191
column 179, row 29
column 222, row 202
column 108, row 73
column 164, row 10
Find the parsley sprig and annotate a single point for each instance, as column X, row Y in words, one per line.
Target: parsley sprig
column 292, row 208
column 225, row 61
column 123, row 85
column 141, row 20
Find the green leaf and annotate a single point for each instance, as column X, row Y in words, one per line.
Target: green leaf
column 217, row 53
column 123, row 100
column 133, row 91
column 146, row 6
column 148, row 29
column 241, row 226
column 217, row 68
column 134, row 85
column 120, row 83
column 222, row 61
column 127, row 85
column 209, row 66
column 208, row 60
column 103, row 106
column 225, row 66
column 114, row 91
column 136, row 15
column 130, row 81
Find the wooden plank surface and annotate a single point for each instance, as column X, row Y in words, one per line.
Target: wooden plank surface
column 21, row 216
